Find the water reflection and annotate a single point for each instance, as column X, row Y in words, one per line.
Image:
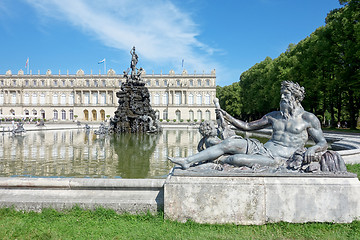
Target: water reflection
column 75, row 153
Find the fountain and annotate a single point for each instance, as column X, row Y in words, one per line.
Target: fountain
column 134, row 113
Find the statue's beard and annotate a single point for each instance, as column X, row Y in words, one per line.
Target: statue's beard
column 287, row 108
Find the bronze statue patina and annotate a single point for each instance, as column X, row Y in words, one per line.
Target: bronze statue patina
column 291, row 127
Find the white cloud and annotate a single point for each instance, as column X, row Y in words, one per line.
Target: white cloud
column 160, row 31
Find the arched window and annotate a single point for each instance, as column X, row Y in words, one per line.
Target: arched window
column 86, row 115
column 199, row 99
column 42, row 98
column 26, row 112
column 55, row 99
column 63, row 115
column 165, row 100
column 34, row 99
column 71, row 114
column 94, row 115
column 34, row 112
column 63, row 99
column 207, row 99
column 26, row 98
column 157, row 99
column 207, row 115
column 71, row 98
column 191, row 115
column 55, row 114
column 102, row 114
column 191, row 99
column 178, row 98
column 199, row 115
column 165, row 115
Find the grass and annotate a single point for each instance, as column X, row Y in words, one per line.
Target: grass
column 354, row 168
column 106, row 224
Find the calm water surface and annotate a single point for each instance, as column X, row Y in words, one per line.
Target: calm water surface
column 75, row 153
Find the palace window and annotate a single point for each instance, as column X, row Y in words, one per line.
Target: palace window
column 103, row 98
column 165, row 83
column 199, row 83
column 34, row 99
column 95, row 98
column 103, row 83
column 199, row 115
column 191, row 83
column 71, row 114
column 207, row 82
column 55, row 83
column 165, row 100
column 63, row 83
column 157, row 99
column 71, row 98
column 55, row 99
column 207, row 115
column 87, row 83
column 165, row 115
column 207, row 99
column 13, row 98
column 55, row 114
column 178, row 83
column 42, row 98
column 157, row 83
column 26, row 98
column 34, row 83
column 1, row 98
column 86, row 98
column 71, row 83
column 14, row 83
column 63, row 99
column 95, row 83
column 26, row 83
column 42, row 83
column 191, row 99
column 191, row 115
column 198, row 99
column 63, row 115
column 178, row 98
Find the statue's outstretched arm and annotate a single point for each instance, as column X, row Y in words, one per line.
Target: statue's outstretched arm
column 246, row 126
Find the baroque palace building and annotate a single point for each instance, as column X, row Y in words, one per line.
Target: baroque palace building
column 92, row 97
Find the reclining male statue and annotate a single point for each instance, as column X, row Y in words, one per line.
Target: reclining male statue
column 291, row 127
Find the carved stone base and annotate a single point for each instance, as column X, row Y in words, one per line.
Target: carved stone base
column 259, row 199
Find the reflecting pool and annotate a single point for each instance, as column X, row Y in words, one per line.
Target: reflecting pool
column 75, row 153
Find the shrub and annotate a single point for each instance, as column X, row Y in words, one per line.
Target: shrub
column 181, row 120
column 168, row 120
column 188, row 120
column 160, row 120
column 195, row 120
column 174, row 120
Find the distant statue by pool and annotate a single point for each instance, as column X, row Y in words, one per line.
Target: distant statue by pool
column 291, row 127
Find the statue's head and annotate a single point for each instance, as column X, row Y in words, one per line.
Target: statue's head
column 291, row 96
column 207, row 128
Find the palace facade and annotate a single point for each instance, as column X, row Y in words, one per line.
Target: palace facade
column 63, row 97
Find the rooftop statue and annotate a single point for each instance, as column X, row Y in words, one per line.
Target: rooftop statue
column 291, row 127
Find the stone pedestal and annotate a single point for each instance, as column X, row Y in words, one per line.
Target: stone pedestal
column 262, row 198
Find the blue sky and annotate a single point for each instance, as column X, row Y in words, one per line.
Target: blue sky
column 229, row 36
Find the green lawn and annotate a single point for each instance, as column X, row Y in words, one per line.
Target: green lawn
column 106, row 224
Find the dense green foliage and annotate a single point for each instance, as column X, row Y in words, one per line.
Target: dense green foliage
column 327, row 64
column 106, row 224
